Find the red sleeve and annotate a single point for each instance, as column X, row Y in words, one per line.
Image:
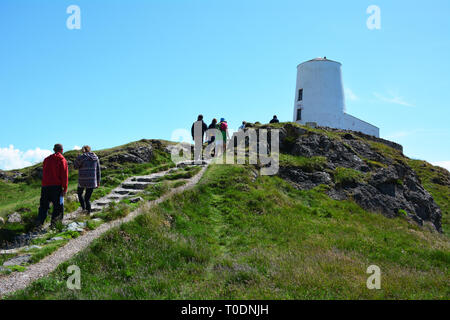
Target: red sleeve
column 64, row 175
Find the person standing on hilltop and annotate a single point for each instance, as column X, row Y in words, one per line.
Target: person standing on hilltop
column 89, row 176
column 275, row 120
column 55, row 180
column 198, row 130
column 211, row 135
column 223, row 127
column 242, row 127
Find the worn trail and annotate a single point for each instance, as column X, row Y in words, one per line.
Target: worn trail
column 20, row 280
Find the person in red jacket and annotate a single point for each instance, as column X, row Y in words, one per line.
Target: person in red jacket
column 55, row 180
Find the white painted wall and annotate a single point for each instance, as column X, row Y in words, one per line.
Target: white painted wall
column 323, row 97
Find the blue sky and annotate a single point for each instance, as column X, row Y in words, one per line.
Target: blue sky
column 142, row 69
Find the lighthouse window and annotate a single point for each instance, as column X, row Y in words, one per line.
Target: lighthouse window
column 300, row 94
column 299, row 114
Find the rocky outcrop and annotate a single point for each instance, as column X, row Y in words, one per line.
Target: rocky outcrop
column 14, row 218
column 386, row 183
column 140, row 154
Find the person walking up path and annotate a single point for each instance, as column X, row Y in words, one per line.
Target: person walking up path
column 55, row 180
column 198, row 130
column 89, row 176
column 223, row 127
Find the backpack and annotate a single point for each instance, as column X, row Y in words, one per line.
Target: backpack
column 223, row 126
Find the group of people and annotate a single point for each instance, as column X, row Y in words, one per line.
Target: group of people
column 55, row 181
column 55, row 172
column 222, row 126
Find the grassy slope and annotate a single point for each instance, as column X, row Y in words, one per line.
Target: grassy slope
column 232, row 238
column 440, row 193
column 24, row 196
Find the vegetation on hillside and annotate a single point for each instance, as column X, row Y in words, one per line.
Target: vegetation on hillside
column 23, row 195
column 235, row 236
column 240, row 236
column 437, row 182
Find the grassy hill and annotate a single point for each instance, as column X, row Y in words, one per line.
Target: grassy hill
column 238, row 235
column 20, row 189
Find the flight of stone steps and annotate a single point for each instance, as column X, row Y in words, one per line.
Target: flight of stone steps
column 131, row 187
column 128, row 189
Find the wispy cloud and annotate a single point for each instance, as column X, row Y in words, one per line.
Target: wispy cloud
column 401, row 134
column 12, row 158
column 76, row 148
column 443, row 164
column 393, row 98
column 350, row 95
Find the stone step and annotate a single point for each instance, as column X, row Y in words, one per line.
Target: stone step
column 102, row 203
column 124, row 192
column 134, row 185
column 146, row 179
column 113, row 197
column 192, row 163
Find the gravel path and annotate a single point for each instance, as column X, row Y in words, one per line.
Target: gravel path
column 20, row 280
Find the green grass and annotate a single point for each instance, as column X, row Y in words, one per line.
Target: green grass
column 231, row 238
column 23, row 197
column 347, row 176
column 429, row 175
column 114, row 211
column 308, row 164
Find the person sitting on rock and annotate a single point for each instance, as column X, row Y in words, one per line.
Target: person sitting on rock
column 55, row 180
column 275, row 120
column 89, row 176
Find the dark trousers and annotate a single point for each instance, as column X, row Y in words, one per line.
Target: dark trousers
column 85, row 201
column 50, row 194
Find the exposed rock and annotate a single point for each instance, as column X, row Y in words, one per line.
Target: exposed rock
column 2, row 221
column 140, row 154
column 136, row 200
column 33, row 247
column 389, row 184
column 55, row 239
column 76, row 226
column 304, row 180
column 10, row 176
column 18, row 261
column 72, row 198
column 14, row 218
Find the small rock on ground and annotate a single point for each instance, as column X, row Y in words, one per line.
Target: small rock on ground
column 55, row 239
column 14, row 218
column 33, row 247
column 76, row 226
column 135, row 200
column 20, row 260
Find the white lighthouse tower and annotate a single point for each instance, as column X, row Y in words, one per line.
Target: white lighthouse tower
column 319, row 97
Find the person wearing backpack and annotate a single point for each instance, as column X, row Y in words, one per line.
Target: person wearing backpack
column 223, row 127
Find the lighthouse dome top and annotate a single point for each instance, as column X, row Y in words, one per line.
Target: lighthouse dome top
column 319, row 59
